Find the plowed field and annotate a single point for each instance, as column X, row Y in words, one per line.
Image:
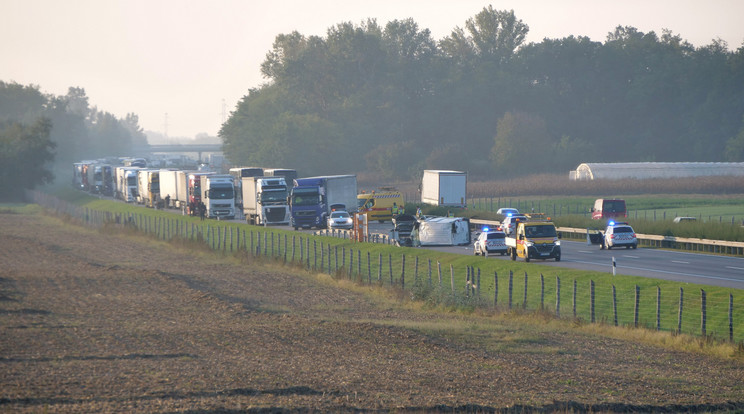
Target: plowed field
column 109, row 322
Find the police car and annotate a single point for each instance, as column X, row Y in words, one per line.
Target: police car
column 619, row 234
column 490, row 241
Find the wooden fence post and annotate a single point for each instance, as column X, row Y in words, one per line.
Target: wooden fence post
column 403, row 273
column 524, row 301
column 658, row 308
column 679, row 314
column 558, row 297
column 637, row 305
column 574, row 298
column 511, row 288
column 439, row 271
column 351, row 263
column 614, row 305
column 591, row 299
column 731, row 317
column 703, row 313
column 429, row 272
column 415, row 270
column 495, row 289
column 379, row 268
column 369, row 269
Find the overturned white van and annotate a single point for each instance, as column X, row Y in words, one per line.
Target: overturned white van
column 442, row 231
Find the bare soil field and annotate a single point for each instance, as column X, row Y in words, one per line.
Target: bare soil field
column 113, row 322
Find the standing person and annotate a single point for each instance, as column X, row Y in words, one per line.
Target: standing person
column 418, row 212
column 202, row 210
column 394, row 210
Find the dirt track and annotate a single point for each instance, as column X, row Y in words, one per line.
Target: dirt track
column 100, row 323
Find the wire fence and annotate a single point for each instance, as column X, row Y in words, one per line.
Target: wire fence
column 664, row 307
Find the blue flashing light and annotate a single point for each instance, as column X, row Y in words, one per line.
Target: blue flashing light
column 508, row 214
column 486, row 228
column 611, row 223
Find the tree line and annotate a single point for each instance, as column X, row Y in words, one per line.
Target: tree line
column 42, row 133
column 392, row 101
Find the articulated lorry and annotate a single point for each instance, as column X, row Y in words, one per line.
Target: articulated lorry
column 444, row 188
column 312, row 199
column 174, row 188
column 218, row 195
column 148, row 187
column 265, row 200
column 534, row 239
column 125, row 179
column 238, row 173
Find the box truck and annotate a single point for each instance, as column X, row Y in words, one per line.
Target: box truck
column 444, row 188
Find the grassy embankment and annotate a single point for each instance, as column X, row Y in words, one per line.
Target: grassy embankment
column 541, row 281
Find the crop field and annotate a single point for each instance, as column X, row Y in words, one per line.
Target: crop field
column 111, row 320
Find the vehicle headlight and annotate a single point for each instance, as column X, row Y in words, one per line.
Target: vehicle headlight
column 557, row 242
column 529, row 244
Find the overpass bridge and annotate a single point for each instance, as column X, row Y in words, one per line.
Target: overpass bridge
column 178, row 148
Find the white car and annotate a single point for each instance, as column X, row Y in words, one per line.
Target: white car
column 508, row 224
column 619, row 235
column 507, row 211
column 340, row 220
column 490, row 241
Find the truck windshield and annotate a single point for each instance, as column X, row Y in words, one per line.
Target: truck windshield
column 221, row 193
column 305, row 198
column 132, row 180
column 274, row 196
column 540, row 231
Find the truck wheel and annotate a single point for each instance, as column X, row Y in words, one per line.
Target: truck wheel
column 558, row 258
column 527, row 257
column 513, row 253
column 295, row 227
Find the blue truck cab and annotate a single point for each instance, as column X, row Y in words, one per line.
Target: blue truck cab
column 307, row 203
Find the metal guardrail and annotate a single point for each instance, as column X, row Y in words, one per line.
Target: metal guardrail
column 652, row 240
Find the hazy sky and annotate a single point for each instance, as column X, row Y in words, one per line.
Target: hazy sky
column 186, row 58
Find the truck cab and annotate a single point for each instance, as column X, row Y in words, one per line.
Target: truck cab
column 307, row 205
column 265, row 200
column 218, row 196
column 536, row 239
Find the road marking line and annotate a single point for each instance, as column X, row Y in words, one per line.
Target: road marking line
column 662, row 271
column 632, row 257
column 679, row 261
column 735, row 268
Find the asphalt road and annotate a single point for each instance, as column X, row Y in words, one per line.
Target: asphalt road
column 697, row 268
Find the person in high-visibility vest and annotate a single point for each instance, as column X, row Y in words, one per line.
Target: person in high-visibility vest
column 394, row 209
column 418, row 212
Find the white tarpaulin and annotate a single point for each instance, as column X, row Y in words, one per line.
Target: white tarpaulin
column 442, row 231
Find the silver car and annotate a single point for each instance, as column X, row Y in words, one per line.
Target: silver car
column 340, row 220
column 619, row 235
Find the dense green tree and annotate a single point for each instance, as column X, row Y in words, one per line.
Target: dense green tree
column 26, row 153
column 393, row 101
